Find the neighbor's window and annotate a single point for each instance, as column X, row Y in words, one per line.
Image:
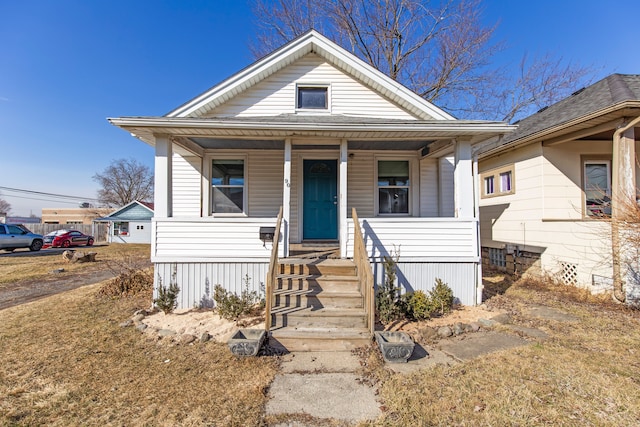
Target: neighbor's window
column 227, row 182
column 393, row 186
column 488, row 185
column 498, row 182
column 312, row 98
column 120, row 228
column 597, row 187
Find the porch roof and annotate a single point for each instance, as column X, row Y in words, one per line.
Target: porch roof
column 200, row 132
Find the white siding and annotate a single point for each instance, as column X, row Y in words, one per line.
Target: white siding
column 139, row 232
column 266, row 169
column 445, row 175
column 361, row 184
column 210, row 239
column 197, row 280
column 418, row 239
column 276, row 94
column 429, row 187
column 187, row 187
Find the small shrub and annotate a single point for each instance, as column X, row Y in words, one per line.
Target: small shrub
column 133, row 275
column 167, row 300
column 419, row 305
column 231, row 306
column 441, row 297
column 389, row 305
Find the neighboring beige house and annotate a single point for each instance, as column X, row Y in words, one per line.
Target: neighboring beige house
column 549, row 189
column 72, row 216
column 314, row 131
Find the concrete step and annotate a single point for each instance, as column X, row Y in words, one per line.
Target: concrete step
column 319, row 339
column 308, row 317
column 303, row 266
column 318, row 298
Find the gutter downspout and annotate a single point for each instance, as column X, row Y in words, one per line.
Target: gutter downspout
column 476, row 211
column 617, row 198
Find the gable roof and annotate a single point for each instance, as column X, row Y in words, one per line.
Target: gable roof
column 609, row 99
column 132, row 211
column 309, row 42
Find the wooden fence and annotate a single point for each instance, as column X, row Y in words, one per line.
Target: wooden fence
column 98, row 230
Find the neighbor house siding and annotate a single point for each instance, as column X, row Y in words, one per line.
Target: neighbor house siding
column 187, row 187
column 276, row 94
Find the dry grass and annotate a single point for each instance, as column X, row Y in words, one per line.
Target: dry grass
column 586, row 373
column 25, row 265
column 65, row 361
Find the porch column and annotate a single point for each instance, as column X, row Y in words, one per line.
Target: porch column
column 162, row 193
column 463, row 179
column 623, row 197
column 286, row 197
column 342, row 200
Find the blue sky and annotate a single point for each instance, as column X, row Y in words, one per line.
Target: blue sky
column 67, row 65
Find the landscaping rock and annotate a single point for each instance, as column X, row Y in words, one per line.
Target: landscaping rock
column 166, row 333
column 459, row 328
column 126, row 324
column 57, row 271
column 138, row 318
column 487, row 323
column 67, row 255
column 142, row 311
column 187, row 339
column 84, row 257
column 141, row 327
column 428, row 334
column 445, row 331
column 475, row 326
column 205, row 337
column 504, row 318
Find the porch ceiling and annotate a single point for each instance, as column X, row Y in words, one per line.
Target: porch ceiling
column 245, row 144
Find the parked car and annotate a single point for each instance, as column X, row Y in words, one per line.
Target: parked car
column 66, row 239
column 15, row 236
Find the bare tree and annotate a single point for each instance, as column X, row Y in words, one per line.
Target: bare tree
column 440, row 50
column 124, row 181
column 5, row 207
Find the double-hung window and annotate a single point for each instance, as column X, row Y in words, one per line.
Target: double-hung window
column 597, row 187
column 227, row 186
column 393, row 187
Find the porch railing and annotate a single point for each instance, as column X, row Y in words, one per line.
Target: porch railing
column 272, row 275
column 365, row 275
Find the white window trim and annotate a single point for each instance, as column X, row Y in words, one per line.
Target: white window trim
column 208, row 194
column 313, row 110
column 412, row 186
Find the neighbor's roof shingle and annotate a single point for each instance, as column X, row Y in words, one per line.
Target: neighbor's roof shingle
column 609, row 91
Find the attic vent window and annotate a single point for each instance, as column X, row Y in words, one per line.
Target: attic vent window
column 312, row 98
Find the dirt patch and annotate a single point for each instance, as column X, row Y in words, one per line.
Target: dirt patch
column 197, row 322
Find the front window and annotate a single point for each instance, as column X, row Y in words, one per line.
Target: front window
column 597, row 188
column 227, row 182
column 393, row 186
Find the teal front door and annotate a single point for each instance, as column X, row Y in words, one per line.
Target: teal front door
column 320, row 200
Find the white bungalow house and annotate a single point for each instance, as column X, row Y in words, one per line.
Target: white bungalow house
column 316, row 131
column 550, row 189
column 130, row 223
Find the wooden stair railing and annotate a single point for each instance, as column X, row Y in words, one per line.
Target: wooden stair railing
column 365, row 275
column 272, row 275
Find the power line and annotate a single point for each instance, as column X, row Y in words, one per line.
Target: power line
column 41, row 193
column 13, row 196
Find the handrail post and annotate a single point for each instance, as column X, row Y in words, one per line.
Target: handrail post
column 272, row 274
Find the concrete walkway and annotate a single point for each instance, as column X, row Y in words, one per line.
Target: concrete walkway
column 322, row 385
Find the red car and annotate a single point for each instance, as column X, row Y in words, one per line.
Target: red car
column 66, row 239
